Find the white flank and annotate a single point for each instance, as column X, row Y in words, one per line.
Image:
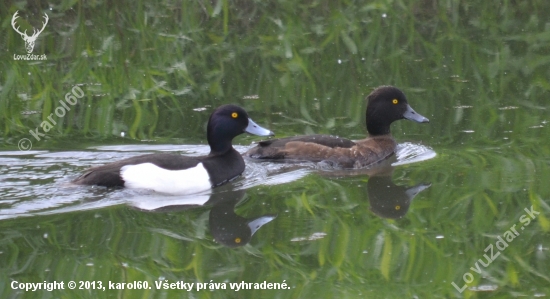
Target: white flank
column 149, row 176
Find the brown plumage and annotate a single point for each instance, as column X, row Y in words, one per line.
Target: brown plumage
column 386, row 104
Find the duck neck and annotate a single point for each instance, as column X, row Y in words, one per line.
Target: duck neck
column 219, row 143
column 377, row 128
column 219, row 146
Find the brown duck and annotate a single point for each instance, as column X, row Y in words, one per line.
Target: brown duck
column 386, row 104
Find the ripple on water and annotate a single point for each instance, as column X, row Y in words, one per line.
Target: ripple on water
column 37, row 182
column 408, row 153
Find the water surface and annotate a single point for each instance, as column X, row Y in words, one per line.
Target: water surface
column 152, row 73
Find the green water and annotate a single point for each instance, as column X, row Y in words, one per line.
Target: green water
column 152, row 72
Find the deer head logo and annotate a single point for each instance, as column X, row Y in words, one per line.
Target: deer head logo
column 29, row 40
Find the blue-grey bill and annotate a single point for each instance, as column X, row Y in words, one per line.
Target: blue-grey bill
column 253, row 128
column 413, row 191
column 259, row 222
column 410, row 114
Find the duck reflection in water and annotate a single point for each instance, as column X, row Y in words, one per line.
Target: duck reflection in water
column 389, row 200
column 230, row 229
column 227, row 228
column 386, row 199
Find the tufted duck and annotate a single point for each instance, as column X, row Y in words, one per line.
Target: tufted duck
column 386, row 104
column 176, row 174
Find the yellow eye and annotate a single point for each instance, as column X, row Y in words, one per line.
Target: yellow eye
column 395, row 101
column 237, row 240
column 398, row 208
column 234, row 115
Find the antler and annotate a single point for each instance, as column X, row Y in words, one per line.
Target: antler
column 15, row 16
column 43, row 25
